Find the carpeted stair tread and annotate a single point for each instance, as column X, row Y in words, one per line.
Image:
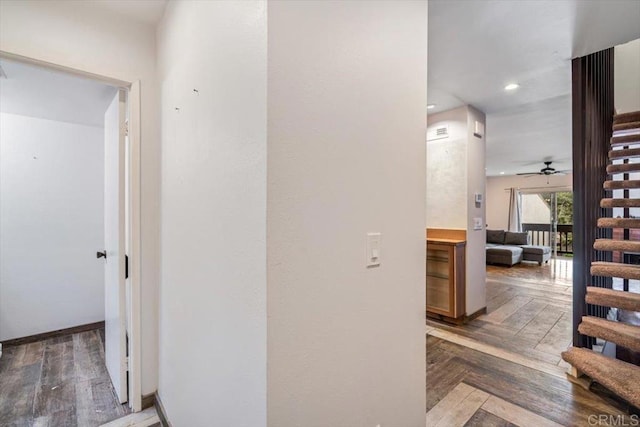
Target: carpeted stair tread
column 625, row 153
column 626, row 126
column 623, row 168
column 618, row 222
column 620, row 377
column 623, row 334
column 617, row 245
column 633, row 116
column 614, row 269
column 625, row 139
column 620, row 203
column 611, row 298
column 618, row 185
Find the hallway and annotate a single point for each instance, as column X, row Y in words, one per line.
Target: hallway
column 504, row 368
column 528, row 311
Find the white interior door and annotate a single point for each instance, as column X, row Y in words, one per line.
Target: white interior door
column 114, row 241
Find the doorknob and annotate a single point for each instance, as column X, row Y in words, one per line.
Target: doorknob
column 102, row 254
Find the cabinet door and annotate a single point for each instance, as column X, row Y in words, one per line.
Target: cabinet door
column 439, row 289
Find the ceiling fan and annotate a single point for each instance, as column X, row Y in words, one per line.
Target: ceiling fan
column 546, row 170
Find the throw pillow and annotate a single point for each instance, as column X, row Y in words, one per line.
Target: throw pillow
column 513, row 238
column 495, row 236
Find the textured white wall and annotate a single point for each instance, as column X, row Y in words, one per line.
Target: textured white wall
column 498, row 193
column 455, row 172
column 51, row 223
column 347, row 104
column 77, row 35
column 447, row 171
column 213, row 292
column 627, row 76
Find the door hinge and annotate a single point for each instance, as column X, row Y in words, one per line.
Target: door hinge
column 126, row 128
column 126, row 266
column 126, row 363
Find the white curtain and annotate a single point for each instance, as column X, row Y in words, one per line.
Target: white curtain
column 515, row 210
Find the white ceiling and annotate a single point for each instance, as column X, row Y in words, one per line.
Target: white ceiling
column 478, row 47
column 147, row 11
column 39, row 92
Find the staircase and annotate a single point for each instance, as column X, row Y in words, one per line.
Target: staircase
column 620, row 377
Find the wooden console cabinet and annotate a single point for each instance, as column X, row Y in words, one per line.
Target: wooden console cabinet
column 445, row 278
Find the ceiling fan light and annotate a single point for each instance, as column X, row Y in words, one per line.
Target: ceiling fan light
column 546, row 170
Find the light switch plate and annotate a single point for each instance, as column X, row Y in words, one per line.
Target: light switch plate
column 477, row 223
column 374, row 241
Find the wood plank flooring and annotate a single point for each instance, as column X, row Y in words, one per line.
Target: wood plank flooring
column 504, row 368
column 59, row 382
column 466, row 387
column 528, row 311
column 146, row 418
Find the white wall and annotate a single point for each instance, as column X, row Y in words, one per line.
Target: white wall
column 213, row 329
column 347, row 104
column 81, row 36
column 51, row 225
column 627, row 76
column 498, row 193
column 455, row 172
column 476, row 255
column 447, row 171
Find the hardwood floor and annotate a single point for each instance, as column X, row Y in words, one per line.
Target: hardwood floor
column 59, row 382
column 528, row 311
column 146, row 418
column 504, row 368
column 466, row 387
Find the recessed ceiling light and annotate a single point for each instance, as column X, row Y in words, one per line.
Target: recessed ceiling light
column 501, row 173
column 431, row 106
column 512, row 86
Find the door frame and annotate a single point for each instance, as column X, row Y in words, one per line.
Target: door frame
column 134, row 242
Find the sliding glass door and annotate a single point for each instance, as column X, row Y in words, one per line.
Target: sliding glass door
column 548, row 218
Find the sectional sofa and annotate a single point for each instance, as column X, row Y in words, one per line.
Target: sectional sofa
column 510, row 248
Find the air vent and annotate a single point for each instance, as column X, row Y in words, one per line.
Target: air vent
column 439, row 132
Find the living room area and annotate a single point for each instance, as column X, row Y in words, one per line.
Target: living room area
column 529, row 216
column 528, row 271
column 529, row 264
column 505, row 158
